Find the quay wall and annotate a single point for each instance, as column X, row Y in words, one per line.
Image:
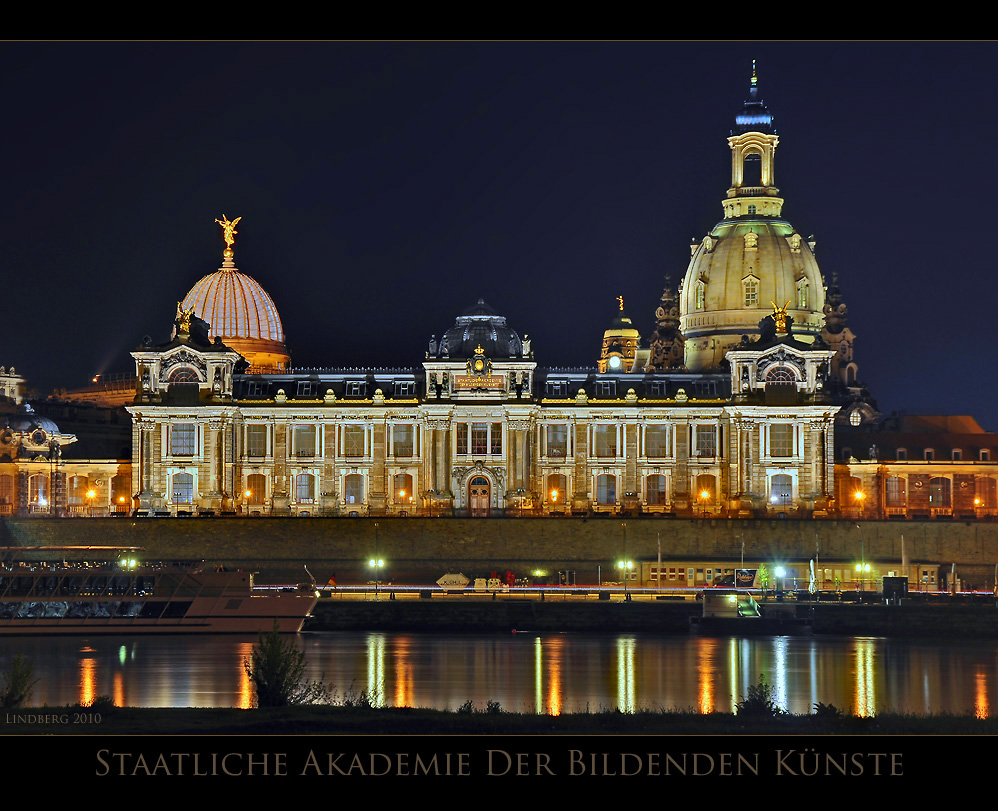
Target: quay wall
column 421, row 549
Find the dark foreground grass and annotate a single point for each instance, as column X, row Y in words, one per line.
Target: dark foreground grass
column 325, row 720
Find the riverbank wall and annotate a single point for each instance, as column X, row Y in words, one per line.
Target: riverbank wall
column 421, row 549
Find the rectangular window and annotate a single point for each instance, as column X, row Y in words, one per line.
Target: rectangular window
column 657, row 443
column 606, row 489
column 902, row 455
column 405, row 389
column 479, row 438
column 462, row 438
column 985, row 455
column 557, row 388
column 304, row 441
column 305, row 488
column 606, row 388
column 658, row 388
column 355, row 388
column 706, row 440
column 306, row 388
column 605, row 437
column 781, row 440
column 929, row 454
column 557, row 441
column 183, row 439
column 402, row 439
column 353, row 440
column 751, row 293
column 495, row 440
column 957, row 455
column 256, row 441
column 895, row 491
column 254, row 389
column 656, row 490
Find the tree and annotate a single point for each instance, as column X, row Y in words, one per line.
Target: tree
column 762, row 576
column 277, row 669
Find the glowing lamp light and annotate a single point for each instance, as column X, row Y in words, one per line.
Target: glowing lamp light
column 859, row 495
column 248, row 493
column 780, row 571
column 554, row 495
column 705, row 494
column 376, row 564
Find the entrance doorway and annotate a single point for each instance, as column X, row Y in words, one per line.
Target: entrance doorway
column 478, row 497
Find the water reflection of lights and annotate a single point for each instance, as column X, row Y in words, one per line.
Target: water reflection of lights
column 980, row 693
column 706, row 692
column 376, row 655
column 244, row 700
column 403, row 672
column 626, row 687
column 553, row 651
column 865, row 694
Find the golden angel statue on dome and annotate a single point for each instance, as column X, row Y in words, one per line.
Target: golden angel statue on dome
column 229, row 230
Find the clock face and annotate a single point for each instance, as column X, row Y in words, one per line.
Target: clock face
column 615, row 362
column 38, row 437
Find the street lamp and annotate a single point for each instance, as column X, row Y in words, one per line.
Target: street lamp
column 864, row 570
column 90, row 497
column 704, row 496
column 625, row 565
column 859, row 495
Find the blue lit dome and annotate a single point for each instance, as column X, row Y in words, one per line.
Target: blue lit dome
column 240, row 312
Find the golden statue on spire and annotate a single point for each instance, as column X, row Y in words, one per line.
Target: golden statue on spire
column 621, row 300
column 228, row 231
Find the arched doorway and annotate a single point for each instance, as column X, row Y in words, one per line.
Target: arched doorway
column 479, row 492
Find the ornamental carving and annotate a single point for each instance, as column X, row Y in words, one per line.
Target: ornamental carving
column 182, row 358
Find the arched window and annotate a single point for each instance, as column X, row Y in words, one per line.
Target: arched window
column 78, row 488
column 183, row 374
column 781, row 490
column 655, row 487
column 6, row 489
column 38, row 489
column 606, row 489
column 353, row 488
column 896, row 492
column 940, row 492
column 402, row 488
column 305, row 488
column 706, row 489
column 256, row 486
column 986, row 498
column 183, row 488
column 557, row 488
column 698, row 294
column 750, row 287
column 781, row 374
column 802, row 293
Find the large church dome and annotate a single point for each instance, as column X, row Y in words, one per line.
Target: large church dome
column 240, row 312
column 480, row 328
column 751, row 260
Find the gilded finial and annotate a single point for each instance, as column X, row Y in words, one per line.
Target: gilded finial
column 755, row 78
column 184, row 318
column 228, row 234
column 621, row 300
column 780, row 316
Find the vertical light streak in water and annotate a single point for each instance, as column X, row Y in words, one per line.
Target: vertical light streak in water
column 981, row 693
column 626, row 690
column 538, row 676
column 376, row 669
column 118, row 691
column 813, row 673
column 244, row 697
column 778, row 678
column 555, row 655
column 706, row 689
column 88, row 677
column 866, row 692
column 401, row 656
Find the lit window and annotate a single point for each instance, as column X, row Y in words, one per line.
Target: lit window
column 698, row 293
column 305, row 488
column 304, row 441
column 706, row 440
column 405, row 389
column 940, row 492
column 353, row 440
column 479, row 438
column 896, row 496
column 605, row 440
column 183, row 488
column 557, row 441
column 751, row 289
column 182, row 439
column 353, row 489
column 656, row 489
column 256, row 441
column 781, row 374
column 781, row 440
column 657, row 444
column 802, row 294
column 986, row 497
column 402, row 439
column 781, row 490
column 256, row 486
column 855, row 418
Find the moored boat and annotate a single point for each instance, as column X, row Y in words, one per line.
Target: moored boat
column 127, row 597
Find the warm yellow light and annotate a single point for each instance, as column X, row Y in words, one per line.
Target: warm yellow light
column 401, row 493
column 977, row 502
column 859, row 495
column 554, row 495
column 121, row 499
column 248, row 493
column 91, row 493
column 705, row 494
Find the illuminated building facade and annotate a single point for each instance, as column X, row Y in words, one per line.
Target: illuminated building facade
column 731, row 409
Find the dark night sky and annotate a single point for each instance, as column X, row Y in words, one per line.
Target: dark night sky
column 385, row 187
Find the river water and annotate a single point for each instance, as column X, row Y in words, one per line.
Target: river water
column 543, row 673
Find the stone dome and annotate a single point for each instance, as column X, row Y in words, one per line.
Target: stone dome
column 753, row 258
column 481, row 326
column 240, row 312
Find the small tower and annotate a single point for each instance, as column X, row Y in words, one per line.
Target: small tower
column 667, row 343
column 838, row 336
column 620, row 343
